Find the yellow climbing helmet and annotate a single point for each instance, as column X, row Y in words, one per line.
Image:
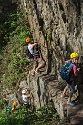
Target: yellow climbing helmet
column 12, row 109
column 15, row 103
column 74, row 55
column 28, row 40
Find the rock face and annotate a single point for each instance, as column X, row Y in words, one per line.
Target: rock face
column 57, row 26
column 46, row 88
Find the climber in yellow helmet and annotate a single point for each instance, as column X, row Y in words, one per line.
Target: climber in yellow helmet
column 74, row 55
column 34, row 52
column 71, row 81
column 12, row 108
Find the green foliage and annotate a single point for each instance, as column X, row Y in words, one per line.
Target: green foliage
column 49, row 37
column 1, row 104
column 15, row 69
column 1, row 57
column 15, row 59
column 21, row 35
column 8, row 21
column 48, row 112
column 63, row 121
column 31, row 117
column 13, row 22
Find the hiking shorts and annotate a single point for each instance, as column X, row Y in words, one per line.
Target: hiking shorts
column 71, row 86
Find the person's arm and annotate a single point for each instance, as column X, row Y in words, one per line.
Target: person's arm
column 75, row 70
column 75, row 74
column 34, row 44
column 29, row 95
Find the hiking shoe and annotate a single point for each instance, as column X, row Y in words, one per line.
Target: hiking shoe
column 36, row 71
column 64, row 96
column 32, row 74
column 71, row 103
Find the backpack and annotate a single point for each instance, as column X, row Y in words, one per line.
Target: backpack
column 65, row 70
column 8, row 109
column 29, row 54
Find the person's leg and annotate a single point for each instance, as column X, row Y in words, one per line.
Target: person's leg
column 41, row 64
column 65, row 89
column 32, row 71
column 70, row 96
column 39, row 67
column 72, row 87
column 34, row 67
